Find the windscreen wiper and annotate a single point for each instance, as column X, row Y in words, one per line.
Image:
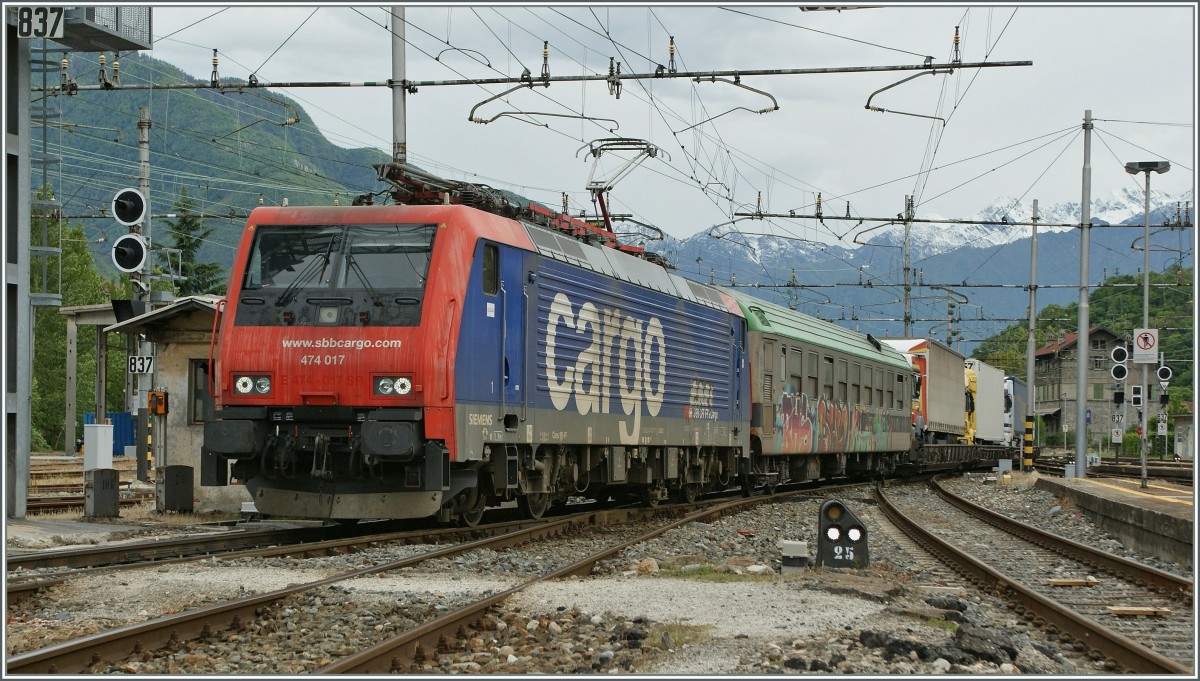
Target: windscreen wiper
column 314, row 267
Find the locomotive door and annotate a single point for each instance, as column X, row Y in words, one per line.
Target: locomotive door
column 513, row 303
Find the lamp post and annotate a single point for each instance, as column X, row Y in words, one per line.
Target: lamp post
column 1133, row 168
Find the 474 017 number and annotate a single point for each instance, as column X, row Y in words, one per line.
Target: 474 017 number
column 327, row 360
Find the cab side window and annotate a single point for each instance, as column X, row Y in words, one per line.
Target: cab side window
column 491, row 270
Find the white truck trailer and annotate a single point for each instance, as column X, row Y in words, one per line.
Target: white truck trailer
column 989, row 402
column 939, row 408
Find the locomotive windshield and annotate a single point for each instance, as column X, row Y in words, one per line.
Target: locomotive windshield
column 336, row 275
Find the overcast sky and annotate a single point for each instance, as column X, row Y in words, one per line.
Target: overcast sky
column 1008, row 132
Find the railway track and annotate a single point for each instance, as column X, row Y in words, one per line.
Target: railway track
column 60, row 502
column 1179, row 472
column 404, row 651
column 1133, row 617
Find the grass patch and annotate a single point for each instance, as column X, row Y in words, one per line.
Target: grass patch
column 713, row 573
column 680, row 634
column 939, row 623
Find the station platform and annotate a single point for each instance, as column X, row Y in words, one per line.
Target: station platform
column 1158, row 520
column 26, row 534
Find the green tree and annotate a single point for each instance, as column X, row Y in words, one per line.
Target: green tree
column 82, row 284
column 1116, row 305
column 190, row 233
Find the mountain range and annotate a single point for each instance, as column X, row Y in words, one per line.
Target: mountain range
column 985, row 264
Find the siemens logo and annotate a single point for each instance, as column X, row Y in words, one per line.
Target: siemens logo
column 623, row 358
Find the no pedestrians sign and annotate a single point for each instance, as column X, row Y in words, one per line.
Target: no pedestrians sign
column 1145, row 346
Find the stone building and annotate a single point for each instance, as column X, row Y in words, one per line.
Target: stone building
column 181, row 332
column 1056, row 368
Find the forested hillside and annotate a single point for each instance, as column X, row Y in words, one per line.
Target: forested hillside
column 1117, row 306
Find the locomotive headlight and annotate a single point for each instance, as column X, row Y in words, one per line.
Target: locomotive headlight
column 245, row 385
column 391, row 386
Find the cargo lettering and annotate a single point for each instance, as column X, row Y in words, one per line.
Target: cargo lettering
column 617, row 361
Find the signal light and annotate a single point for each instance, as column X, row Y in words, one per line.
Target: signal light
column 1164, row 373
column 1119, row 372
column 1120, row 354
column 129, row 207
column 1118, row 397
column 129, row 253
column 1137, row 396
column 841, row 538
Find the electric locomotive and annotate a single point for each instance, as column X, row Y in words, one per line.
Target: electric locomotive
column 406, row 361
column 462, row 349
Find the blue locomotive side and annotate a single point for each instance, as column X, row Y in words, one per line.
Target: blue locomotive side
column 621, row 364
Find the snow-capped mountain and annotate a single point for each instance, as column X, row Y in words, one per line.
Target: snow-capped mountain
column 862, row 285
column 1122, row 206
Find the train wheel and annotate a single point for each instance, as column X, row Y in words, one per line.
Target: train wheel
column 534, row 504
column 473, row 510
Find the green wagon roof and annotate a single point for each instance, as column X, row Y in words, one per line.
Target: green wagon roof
column 775, row 319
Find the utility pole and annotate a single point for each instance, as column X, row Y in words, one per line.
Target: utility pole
column 142, row 292
column 1082, row 349
column 1030, row 348
column 399, row 88
column 908, row 216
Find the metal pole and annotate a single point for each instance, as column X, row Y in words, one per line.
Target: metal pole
column 399, row 88
column 1082, row 349
column 1143, row 422
column 144, row 348
column 907, row 282
column 1031, row 347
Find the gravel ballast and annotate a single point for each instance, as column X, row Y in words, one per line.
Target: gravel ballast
column 706, row 598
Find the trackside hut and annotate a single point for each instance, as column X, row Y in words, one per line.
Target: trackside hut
column 181, row 332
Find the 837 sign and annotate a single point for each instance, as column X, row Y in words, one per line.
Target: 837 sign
column 40, row 22
column 141, row 364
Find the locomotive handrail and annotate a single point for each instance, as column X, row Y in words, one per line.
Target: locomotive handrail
column 212, row 339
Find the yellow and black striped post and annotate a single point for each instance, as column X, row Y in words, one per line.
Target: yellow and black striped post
column 1027, row 456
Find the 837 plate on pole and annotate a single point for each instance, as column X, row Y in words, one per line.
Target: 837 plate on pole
column 141, row 364
column 40, row 22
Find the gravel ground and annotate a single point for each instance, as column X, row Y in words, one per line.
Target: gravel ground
column 707, row 598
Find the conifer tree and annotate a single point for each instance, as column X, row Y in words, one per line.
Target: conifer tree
column 189, row 234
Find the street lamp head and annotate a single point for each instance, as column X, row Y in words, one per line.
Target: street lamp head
column 1135, row 167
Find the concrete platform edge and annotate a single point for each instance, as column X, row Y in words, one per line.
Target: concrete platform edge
column 1146, row 530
